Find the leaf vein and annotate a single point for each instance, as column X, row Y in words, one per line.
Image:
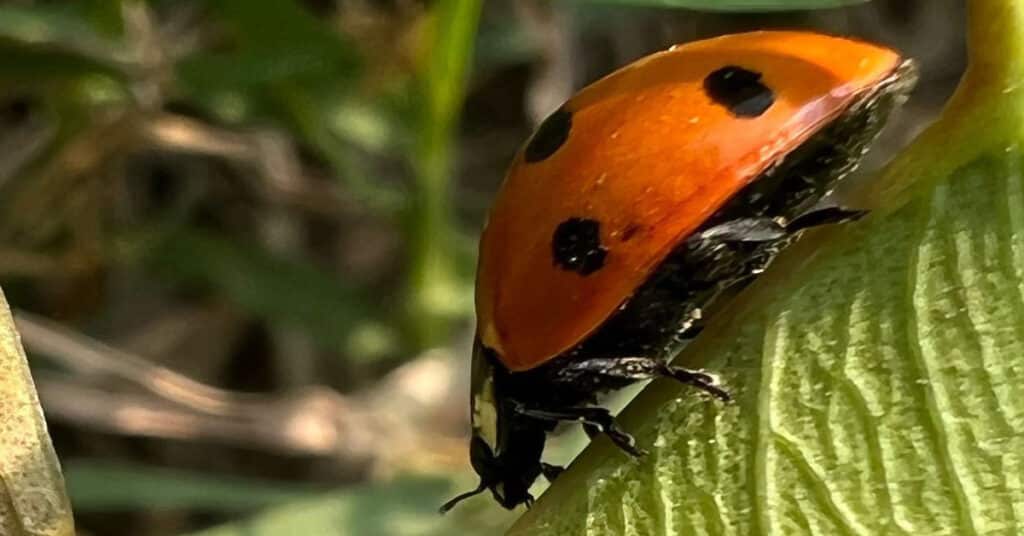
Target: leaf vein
column 916, row 352
column 817, row 484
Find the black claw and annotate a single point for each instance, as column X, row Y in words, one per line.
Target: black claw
column 700, row 380
column 551, row 472
column 624, row 441
column 633, row 450
column 715, row 391
column 627, row 444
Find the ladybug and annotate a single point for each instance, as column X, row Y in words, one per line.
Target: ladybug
column 639, row 205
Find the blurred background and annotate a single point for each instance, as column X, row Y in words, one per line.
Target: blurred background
column 239, row 236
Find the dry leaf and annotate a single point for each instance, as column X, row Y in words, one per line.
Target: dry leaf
column 32, row 497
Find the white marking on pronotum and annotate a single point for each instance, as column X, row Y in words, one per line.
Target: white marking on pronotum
column 485, row 414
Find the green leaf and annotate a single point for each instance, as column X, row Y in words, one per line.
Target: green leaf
column 736, row 5
column 335, row 128
column 48, row 42
column 32, row 497
column 98, row 486
column 277, row 289
column 51, row 26
column 405, row 507
column 274, row 43
column 877, row 367
column 284, row 64
column 28, row 65
column 246, row 70
column 280, row 23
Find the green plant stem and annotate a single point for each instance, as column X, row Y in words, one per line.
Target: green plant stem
column 978, row 115
column 995, row 39
column 434, row 291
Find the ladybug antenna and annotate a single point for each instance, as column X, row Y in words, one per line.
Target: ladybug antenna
column 463, row 496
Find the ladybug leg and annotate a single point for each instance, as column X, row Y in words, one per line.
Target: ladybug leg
column 700, row 380
column 691, row 331
column 743, row 230
column 551, row 472
column 691, row 324
column 823, row 215
column 598, row 418
column 591, row 431
column 645, row 368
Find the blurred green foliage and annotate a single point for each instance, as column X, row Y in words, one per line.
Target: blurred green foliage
column 435, row 294
column 741, row 5
column 267, row 63
column 405, row 506
column 150, row 488
column 149, row 153
column 281, row 290
column 402, row 508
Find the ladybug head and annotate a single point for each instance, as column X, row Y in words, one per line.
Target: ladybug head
column 506, row 447
column 508, row 476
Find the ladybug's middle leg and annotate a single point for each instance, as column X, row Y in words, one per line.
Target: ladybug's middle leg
column 766, row 229
column 753, row 230
column 618, row 371
column 621, row 371
column 593, row 417
column 823, row 215
column 633, row 369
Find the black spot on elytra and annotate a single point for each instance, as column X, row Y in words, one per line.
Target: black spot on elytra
column 740, row 90
column 550, row 135
column 576, row 246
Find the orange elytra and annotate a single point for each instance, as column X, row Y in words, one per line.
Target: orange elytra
column 650, row 155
